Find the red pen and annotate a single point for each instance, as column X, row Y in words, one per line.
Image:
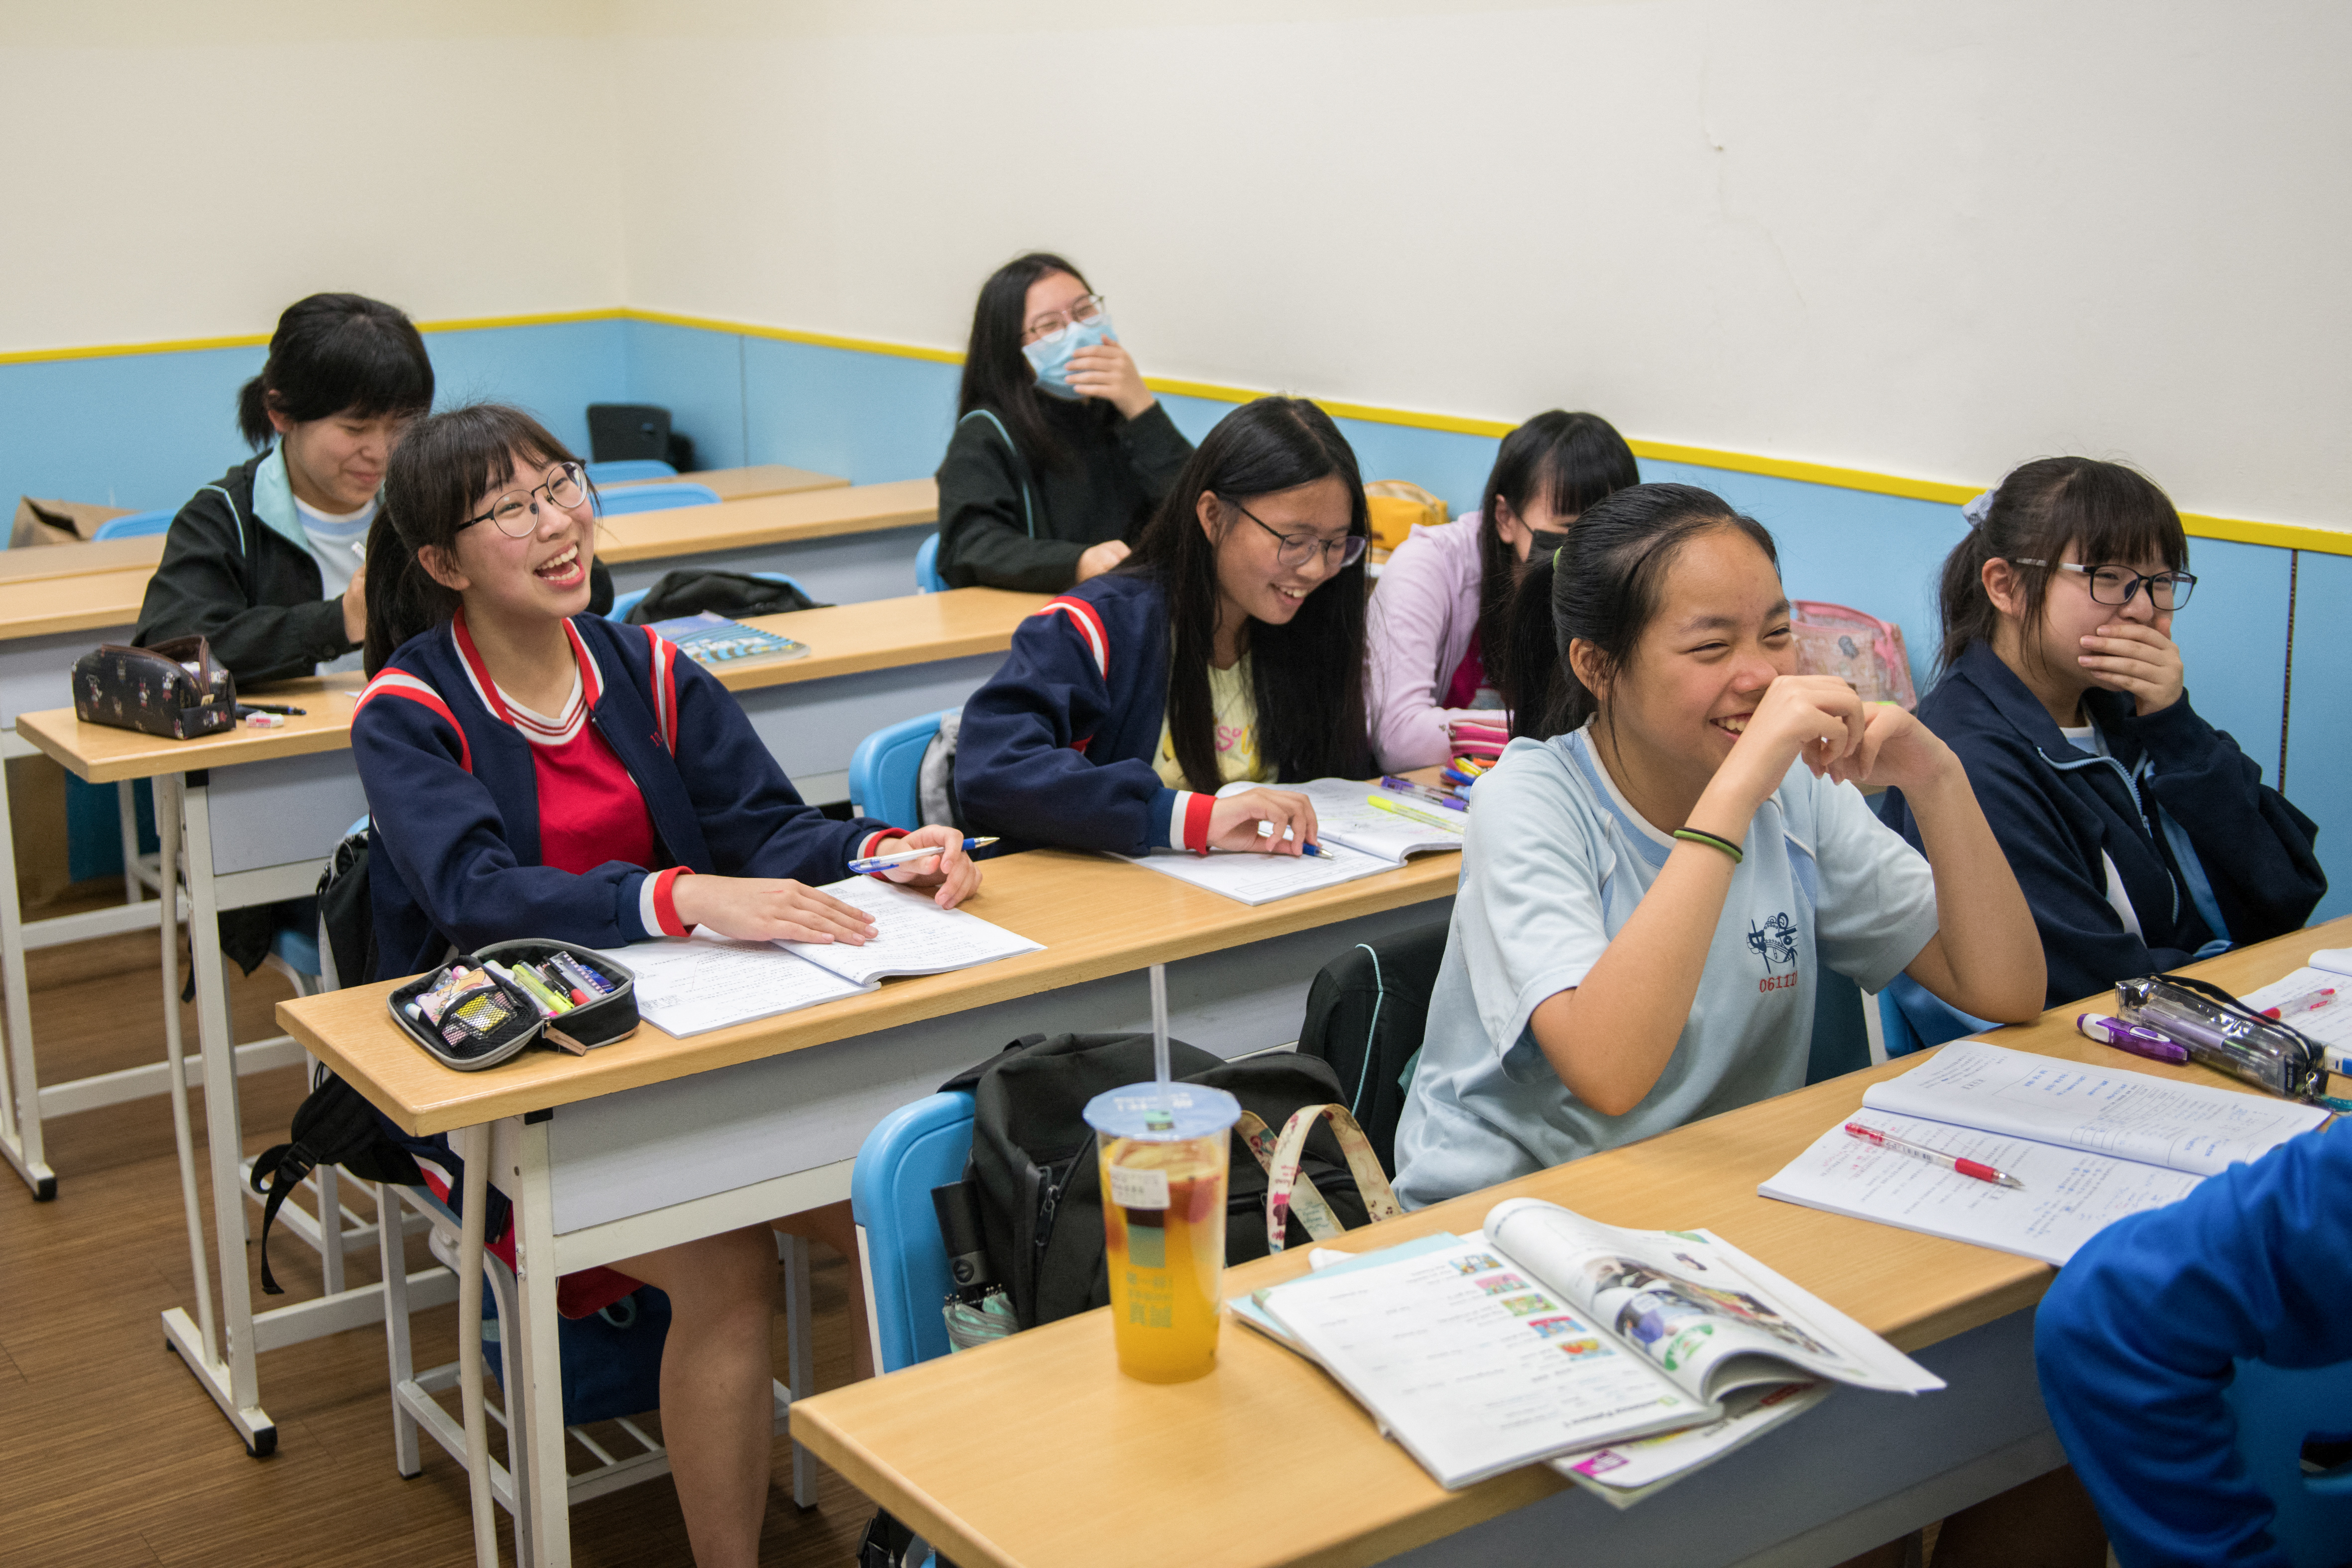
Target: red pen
column 1976, row 1169
column 2310, row 1002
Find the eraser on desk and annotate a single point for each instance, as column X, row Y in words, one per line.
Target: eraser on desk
column 267, row 720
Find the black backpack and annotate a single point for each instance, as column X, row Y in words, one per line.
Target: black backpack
column 1038, row 1187
column 1366, row 1011
column 731, row 593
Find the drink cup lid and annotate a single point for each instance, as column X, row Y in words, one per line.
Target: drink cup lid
column 1191, row 1111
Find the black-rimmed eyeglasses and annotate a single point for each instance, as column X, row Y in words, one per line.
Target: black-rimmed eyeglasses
column 2115, row 586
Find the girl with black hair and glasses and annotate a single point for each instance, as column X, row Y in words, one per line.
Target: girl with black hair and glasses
column 1228, row 649
column 1060, row 451
column 2142, row 835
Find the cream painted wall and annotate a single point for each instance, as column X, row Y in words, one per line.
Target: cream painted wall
column 1933, row 240
column 173, row 170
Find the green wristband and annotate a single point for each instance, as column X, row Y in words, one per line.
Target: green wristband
column 1693, row 836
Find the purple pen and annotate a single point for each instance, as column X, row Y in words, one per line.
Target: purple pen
column 2132, row 1037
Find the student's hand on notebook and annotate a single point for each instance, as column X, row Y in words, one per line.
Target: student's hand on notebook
column 2134, row 657
column 955, row 874
column 1107, row 371
column 764, row 909
column 1232, row 820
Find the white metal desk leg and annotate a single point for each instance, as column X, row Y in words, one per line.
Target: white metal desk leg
column 473, row 1149
column 231, row 1379
column 526, row 1181
column 167, row 831
column 20, row 1089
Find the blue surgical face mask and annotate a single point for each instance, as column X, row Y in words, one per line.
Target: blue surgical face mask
column 1050, row 357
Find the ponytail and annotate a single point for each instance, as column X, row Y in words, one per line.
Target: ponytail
column 402, row 599
column 253, row 413
column 1525, row 666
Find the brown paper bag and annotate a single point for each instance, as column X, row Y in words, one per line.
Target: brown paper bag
column 59, row 522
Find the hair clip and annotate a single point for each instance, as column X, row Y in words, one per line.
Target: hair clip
column 1976, row 511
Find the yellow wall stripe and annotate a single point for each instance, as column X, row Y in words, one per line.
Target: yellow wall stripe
column 2242, row 531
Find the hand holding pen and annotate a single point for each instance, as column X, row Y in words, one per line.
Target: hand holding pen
column 1270, row 821
column 929, row 858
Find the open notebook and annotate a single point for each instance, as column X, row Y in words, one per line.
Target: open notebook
column 1549, row 1334
column 1357, row 837
column 2089, row 1144
column 692, row 984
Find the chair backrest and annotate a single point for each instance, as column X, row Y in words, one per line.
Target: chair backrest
column 916, row 1148
column 2279, row 1410
column 887, row 768
column 135, row 525
column 1366, row 1011
column 618, row 432
column 1841, row 1038
column 623, row 603
column 1927, row 1019
column 655, row 498
column 926, row 567
column 629, row 470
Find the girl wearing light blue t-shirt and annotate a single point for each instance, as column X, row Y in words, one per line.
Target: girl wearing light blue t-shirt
column 1653, row 872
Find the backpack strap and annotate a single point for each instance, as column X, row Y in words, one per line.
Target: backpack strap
column 1020, row 464
column 1282, row 1174
column 1315, row 1212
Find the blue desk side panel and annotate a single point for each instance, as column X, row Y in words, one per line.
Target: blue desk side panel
column 2319, row 720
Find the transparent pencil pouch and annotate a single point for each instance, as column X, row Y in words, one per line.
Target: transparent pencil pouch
column 2227, row 1036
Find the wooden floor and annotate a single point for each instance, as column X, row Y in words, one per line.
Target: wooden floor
column 111, row 1454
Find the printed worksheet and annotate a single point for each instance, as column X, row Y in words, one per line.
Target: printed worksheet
column 691, row 985
column 1252, row 879
column 2069, row 1194
column 2316, row 1001
column 912, row 935
column 2136, row 1115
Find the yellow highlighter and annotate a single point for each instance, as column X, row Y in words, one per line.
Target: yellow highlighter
column 1387, row 800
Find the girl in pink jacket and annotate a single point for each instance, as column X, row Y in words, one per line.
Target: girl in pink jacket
column 1443, row 597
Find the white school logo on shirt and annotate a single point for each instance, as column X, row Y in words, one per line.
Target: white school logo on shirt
column 1775, row 942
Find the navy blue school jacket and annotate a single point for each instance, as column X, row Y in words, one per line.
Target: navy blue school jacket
column 1057, row 747
column 2178, row 820
column 2140, row 1337
column 455, row 859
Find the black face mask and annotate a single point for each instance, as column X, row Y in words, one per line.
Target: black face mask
column 1543, row 541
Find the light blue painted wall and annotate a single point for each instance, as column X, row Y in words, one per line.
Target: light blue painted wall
column 868, row 417
column 2319, row 719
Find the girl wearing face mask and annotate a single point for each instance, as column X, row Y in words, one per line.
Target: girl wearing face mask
column 1439, row 635
column 1229, row 647
column 2142, row 835
column 534, row 770
column 1650, row 883
column 1060, row 452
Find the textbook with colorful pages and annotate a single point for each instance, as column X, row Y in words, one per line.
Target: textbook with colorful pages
column 1548, row 1335
column 711, row 639
column 2088, row 1144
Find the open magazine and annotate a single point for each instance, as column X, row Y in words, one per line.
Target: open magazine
column 1549, row 1334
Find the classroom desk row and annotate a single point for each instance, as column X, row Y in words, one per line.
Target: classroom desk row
column 844, row 542
column 655, row 1140
column 253, row 812
column 1267, row 1461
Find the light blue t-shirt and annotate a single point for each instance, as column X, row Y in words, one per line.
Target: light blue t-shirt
column 1554, row 862
column 338, row 545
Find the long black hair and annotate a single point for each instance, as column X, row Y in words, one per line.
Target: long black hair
column 333, row 353
column 995, row 374
column 445, row 465
column 1572, row 459
column 2108, row 514
column 1307, row 677
column 1604, row 587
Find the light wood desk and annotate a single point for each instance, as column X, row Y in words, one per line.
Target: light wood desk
column 654, row 1141
column 32, row 563
column 1037, row 1451
column 255, row 810
column 742, row 484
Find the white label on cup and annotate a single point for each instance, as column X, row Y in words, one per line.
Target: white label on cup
column 1131, row 1189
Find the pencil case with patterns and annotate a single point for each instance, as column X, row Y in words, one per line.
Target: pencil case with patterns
column 174, row 688
column 469, row 1016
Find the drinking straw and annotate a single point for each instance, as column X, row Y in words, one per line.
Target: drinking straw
column 1164, row 1118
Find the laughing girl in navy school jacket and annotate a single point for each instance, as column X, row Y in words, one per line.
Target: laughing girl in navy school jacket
column 2142, row 836
column 532, row 770
column 1229, row 647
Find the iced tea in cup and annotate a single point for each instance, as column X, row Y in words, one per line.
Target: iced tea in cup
column 1163, row 1180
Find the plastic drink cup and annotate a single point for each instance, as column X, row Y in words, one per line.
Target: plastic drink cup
column 1164, row 1181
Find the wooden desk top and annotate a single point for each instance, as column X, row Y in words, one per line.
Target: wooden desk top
column 1097, row 917
column 1267, row 1461
column 767, row 519
column 84, row 590
column 880, row 634
column 741, row 484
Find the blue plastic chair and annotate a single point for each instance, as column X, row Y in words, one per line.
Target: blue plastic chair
column 887, row 768
column 916, row 1148
column 926, row 568
column 137, row 525
column 2278, row 1409
column 655, row 498
column 629, row 470
column 623, row 603
column 1922, row 1018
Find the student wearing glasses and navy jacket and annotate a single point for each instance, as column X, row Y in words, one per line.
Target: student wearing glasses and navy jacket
column 2141, row 836
column 1229, row 649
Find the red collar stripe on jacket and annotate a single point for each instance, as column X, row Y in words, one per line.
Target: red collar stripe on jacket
column 400, row 683
column 1089, row 620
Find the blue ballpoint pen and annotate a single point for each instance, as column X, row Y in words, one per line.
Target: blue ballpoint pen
column 884, row 862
